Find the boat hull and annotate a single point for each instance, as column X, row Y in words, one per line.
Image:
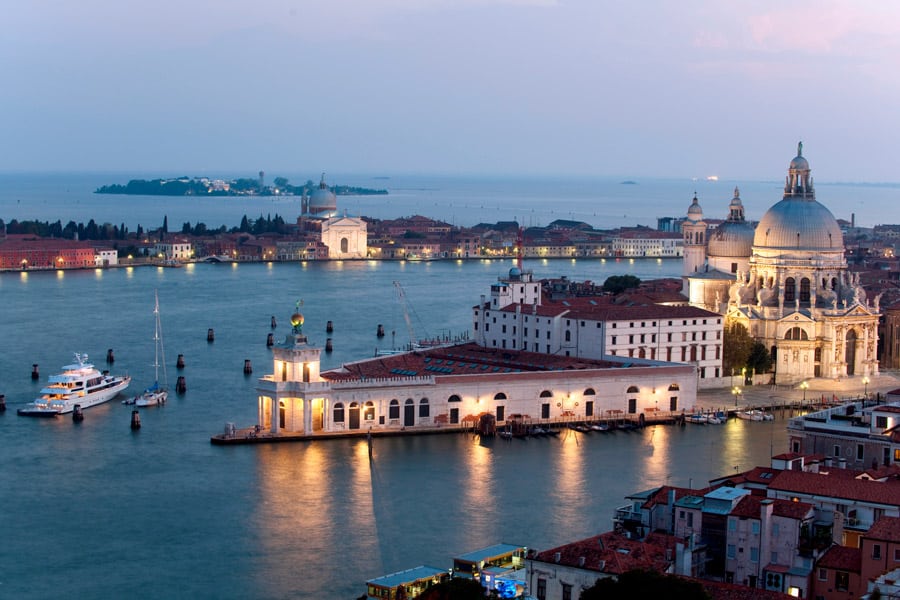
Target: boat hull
column 62, row 406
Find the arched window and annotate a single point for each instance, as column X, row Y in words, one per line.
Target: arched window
column 345, row 245
column 789, row 289
column 338, row 413
column 642, row 353
column 674, row 387
column 834, row 283
column 590, row 392
column 500, row 396
column 394, row 409
column 804, row 290
column 423, row 407
column 454, row 398
column 795, row 333
column 546, row 394
column 632, row 390
column 369, row 411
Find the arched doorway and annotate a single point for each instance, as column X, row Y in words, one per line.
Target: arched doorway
column 354, row 416
column 409, row 413
column 850, row 352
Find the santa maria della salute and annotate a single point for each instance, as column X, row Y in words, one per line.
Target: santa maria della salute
column 786, row 281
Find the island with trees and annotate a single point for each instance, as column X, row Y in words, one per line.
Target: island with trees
column 204, row 186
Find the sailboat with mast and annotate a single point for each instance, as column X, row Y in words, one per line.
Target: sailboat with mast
column 156, row 394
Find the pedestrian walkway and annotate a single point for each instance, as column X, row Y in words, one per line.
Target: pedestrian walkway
column 845, row 388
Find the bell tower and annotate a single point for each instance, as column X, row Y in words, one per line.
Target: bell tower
column 694, row 231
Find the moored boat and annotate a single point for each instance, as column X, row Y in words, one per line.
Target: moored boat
column 79, row 383
column 156, row 394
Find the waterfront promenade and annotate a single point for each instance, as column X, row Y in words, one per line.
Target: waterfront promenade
column 759, row 396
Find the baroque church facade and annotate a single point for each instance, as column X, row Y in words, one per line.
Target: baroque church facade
column 787, row 282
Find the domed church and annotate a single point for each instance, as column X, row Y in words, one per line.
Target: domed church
column 789, row 285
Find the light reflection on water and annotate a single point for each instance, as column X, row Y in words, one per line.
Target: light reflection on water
column 294, row 520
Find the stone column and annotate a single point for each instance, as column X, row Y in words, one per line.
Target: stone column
column 276, row 414
column 307, row 416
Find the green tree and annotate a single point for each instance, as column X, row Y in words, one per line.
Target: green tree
column 616, row 284
column 646, row 584
column 759, row 360
column 736, row 347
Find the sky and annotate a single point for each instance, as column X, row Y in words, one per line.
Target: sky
column 494, row 87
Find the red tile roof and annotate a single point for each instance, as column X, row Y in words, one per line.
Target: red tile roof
column 841, row 558
column 838, row 483
column 614, row 553
column 886, row 529
column 466, row 359
column 749, row 507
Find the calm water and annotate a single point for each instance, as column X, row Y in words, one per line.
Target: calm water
column 97, row 511
column 604, row 203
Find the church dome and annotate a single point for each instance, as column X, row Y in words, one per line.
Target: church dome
column 322, row 199
column 799, row 222
column 731, row 239
column 695, row 212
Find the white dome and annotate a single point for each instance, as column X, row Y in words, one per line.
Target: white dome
column 796, row 223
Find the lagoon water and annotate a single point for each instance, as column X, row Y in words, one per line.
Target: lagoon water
column 94, row 510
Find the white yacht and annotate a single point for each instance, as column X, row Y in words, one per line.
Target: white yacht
column 80, row 383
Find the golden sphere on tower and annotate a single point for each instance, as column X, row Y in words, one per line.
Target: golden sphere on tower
column 296, row 319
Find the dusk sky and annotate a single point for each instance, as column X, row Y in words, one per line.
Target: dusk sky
column 504, row 87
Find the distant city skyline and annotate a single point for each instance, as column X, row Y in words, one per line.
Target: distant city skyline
column 498, row 87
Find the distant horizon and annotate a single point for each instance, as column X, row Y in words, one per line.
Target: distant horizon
column 387, row 176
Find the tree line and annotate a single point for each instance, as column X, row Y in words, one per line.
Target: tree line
column 92, row 231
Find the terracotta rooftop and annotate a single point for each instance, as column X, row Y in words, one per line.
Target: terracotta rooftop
column 886, row 529
column 464, row 359
column 749, row 507
column 661, row 496
column 838, row 483
column 614, row 553
column 600, row 308
column 842, row 558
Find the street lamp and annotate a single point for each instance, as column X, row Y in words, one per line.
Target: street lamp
column 803, row 386
column 736, row 392
column 866, row 388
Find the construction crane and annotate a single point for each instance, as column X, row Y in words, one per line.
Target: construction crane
column 401, row 296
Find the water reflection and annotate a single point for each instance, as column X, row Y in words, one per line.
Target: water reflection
column 568, row 485
column 657, row 463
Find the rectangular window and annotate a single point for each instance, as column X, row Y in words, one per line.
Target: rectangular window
column 567, row 591
column 731, row 551
column 614, row 340
column 842, row 581
column 774, row 558
column 589, row 408
column 500, row 413
column 860, row 451
column 881, row 422
column 632, row 406
column 876, row 551
column 823, row 574
column 837, row 450
column 896, row 554
column 754, row 554
column 542, row 588
column 755, row 527
column 690, row 519
column 732, row 524
column 673, row 403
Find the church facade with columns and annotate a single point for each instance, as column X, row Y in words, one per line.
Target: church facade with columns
column 788, row 284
